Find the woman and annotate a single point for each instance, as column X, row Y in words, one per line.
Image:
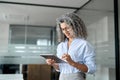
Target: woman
column 73, row 48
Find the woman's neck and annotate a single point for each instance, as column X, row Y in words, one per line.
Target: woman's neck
column 69, row 42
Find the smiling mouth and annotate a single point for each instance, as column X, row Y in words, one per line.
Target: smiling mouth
column 67, row 34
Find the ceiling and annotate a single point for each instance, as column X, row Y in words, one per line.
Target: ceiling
column 37, row 12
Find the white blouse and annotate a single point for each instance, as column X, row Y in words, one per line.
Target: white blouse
column 80, row 51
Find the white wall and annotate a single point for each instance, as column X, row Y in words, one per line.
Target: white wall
column 4, row 35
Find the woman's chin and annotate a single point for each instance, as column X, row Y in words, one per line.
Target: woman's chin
column 67, row 36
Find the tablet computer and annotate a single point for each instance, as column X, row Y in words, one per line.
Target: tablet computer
column 52, row 56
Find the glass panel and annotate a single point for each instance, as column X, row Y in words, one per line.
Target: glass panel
column 27, row 43
column 99, row 19
column 15, row 35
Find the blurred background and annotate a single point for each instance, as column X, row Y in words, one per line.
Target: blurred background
column 28, row 29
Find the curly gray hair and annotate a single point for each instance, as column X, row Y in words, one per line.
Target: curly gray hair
column 75, row 22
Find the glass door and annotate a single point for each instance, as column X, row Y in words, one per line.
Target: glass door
column 98, row 16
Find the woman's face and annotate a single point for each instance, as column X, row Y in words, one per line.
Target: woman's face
column 67, row 30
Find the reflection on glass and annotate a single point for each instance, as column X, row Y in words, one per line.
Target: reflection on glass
column 43, row 42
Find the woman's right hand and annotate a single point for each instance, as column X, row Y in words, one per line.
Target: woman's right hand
column 50, row 61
